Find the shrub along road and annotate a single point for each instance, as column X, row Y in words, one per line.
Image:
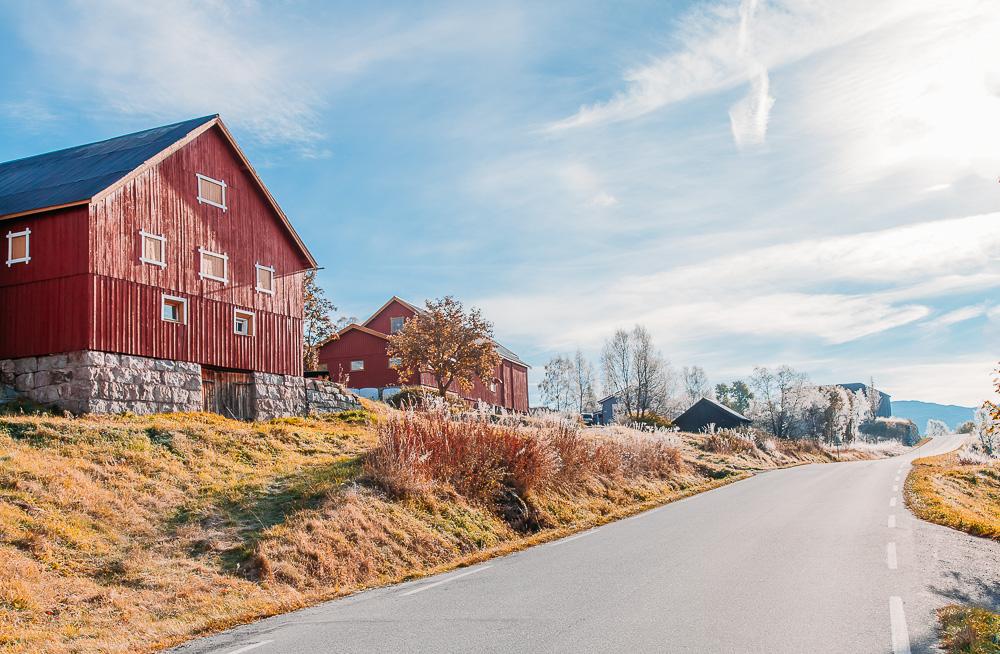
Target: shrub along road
column 819, row 558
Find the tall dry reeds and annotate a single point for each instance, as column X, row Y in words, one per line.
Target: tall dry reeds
column 483, row 459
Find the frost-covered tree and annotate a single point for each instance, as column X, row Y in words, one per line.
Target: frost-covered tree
column 936, row 428
column 636, row 373
column 695, row 383
column 584, row 394
column 557, row 384
column 777, row 399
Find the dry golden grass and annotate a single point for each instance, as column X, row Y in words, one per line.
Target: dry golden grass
column 127, row 534
column 969, row 630
column 967, row 497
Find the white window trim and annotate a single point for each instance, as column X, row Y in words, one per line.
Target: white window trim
column 361, row 361
column 243, row 313
column 174, row 298
column 402, row 323
column 398, row 362
column 221, row 183
column 26, row 233
column 143, row 235
column 225, row 266
column 258, row 268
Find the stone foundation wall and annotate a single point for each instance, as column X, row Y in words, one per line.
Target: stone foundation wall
column 98, row 382
column 278, row 396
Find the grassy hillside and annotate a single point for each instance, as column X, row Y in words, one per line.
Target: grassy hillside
column 126, row 534
column 960, row 494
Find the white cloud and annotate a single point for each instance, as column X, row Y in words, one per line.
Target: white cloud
column 265, row 69
column 748, row 117
column 969, row 380
column 958, row 315
column 776, row 292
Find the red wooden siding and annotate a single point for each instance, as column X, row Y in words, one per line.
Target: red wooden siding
column 85, row 286
column 354, row 345
column 44, row 303
column 512, row 378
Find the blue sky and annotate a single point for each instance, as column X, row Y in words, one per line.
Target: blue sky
column 757, row 182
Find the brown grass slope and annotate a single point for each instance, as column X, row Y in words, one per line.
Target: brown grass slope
column 127, row 534
column 969, row 630
column 942, row 489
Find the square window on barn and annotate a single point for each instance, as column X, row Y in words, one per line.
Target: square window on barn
column 214, row 266
column 18, row 247
column 174, row 309
column 265, row 279
column 243, row 322
column 357, row 365
column 395, row 362
column 211, row 191
column 154, row 249
column 396, row 324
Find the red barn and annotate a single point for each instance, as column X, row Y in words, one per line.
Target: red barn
column 149, row 272
column 359, row 356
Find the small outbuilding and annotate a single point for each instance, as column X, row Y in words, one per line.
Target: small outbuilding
column 706, row 414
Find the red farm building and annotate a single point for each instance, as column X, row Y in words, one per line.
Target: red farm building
column 150, row 272
column 358, row 356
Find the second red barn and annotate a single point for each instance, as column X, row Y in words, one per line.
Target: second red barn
column 360, row 356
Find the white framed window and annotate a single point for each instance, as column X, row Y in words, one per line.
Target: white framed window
column 395, row 362
column 211, row 191
column 265, row 279
column 358, row 364
column 214, row 265
column 493, row 387
column 396, row 324
column 154, row 249
column 174, row 309
column 18, row 247
column 244, row 322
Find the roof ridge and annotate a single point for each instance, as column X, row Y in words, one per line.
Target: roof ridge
column 201, row 120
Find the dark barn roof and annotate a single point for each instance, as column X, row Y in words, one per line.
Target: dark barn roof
column 77, row 174
column 707, row 412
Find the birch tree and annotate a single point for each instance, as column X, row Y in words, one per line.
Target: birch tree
column 695, row 384
column 557, row 386
column 635, row 372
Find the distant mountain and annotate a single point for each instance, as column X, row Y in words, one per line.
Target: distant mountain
column 921, row 412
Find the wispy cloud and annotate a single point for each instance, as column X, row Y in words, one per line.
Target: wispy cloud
column 267, row 71
column 886, row 277
column 748, row 118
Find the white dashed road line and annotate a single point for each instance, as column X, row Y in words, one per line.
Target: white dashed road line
column 895, row 489
column 892, row 501
column 890, row 555
column 900, row 634
column 892, row 522
column 247, row 648
column 444, row 581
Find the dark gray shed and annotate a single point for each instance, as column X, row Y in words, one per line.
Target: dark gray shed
column 706, row 412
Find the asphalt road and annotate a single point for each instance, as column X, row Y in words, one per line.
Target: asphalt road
column 819, row 558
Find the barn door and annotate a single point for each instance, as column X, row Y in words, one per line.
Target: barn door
column 228, row 393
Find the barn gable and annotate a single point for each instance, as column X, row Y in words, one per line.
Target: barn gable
column 88, row 173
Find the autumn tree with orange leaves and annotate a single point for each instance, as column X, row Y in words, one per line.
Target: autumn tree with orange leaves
column 451, row 344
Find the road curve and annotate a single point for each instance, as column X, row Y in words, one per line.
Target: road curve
column 819, row 558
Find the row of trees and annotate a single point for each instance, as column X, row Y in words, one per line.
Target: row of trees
column 781, row 401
